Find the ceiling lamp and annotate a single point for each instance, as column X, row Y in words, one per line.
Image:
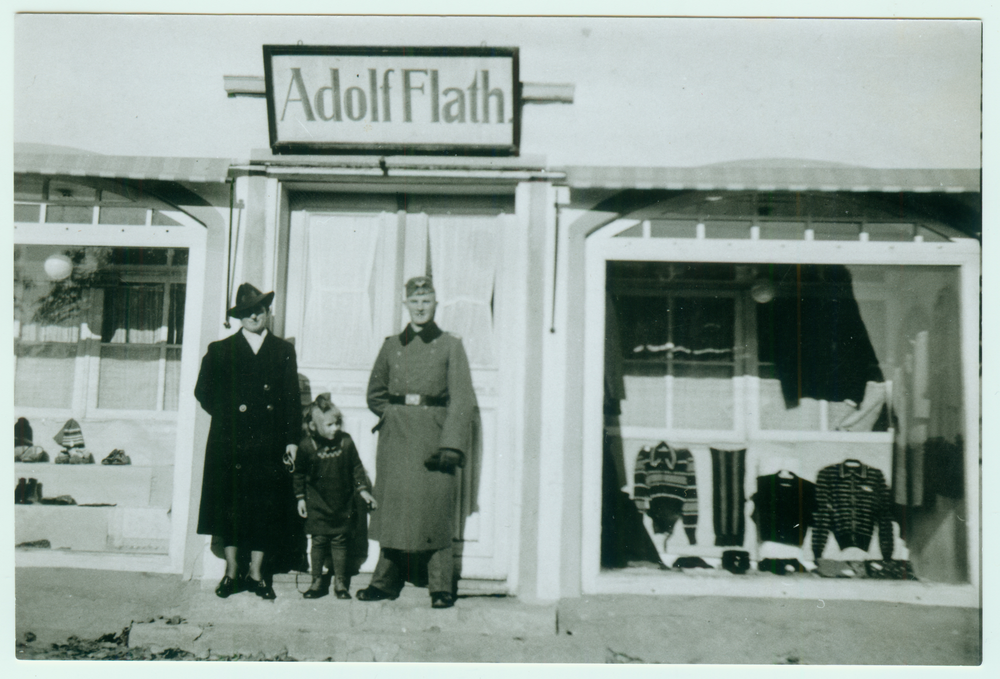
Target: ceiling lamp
column 58, row 267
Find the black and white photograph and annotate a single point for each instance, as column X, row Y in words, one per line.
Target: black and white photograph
column 498, row 339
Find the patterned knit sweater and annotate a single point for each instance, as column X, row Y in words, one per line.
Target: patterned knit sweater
column 666, row 486
column 852, row 498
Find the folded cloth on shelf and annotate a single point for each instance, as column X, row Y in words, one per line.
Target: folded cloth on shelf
column 832, row 568
column 781, row 566
column 117, row 457
column 30, row 454
column 59, row 500
column 890, row 569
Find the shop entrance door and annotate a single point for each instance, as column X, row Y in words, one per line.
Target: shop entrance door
column 345, row 281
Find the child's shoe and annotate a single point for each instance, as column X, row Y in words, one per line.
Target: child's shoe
column 316, row 590
column 342, row 588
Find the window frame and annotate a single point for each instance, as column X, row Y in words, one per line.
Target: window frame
column 601, row 246
column 87, row 361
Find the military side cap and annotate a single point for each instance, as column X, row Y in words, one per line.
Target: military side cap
column 248, row 298
column 419, row 285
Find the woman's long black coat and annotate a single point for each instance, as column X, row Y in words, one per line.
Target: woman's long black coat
column 253, row 399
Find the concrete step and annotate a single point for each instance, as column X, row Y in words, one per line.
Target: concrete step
column 487, row 627
column 229, row 639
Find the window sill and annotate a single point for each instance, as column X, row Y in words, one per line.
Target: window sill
column 710, row 436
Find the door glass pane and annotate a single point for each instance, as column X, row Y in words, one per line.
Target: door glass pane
column 464, row 254
column 338, row 319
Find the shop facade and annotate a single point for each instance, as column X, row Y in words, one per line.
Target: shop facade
column 605, row 310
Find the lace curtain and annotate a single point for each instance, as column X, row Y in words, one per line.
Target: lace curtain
column 464, row 262
column 339, row 310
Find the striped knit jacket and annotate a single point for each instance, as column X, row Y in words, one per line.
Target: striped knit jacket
column 852, row 498
column 666, row 487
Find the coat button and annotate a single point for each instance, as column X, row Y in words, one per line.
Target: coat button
column 270, row 407
column 239, row 466
column 267, row 387
column 243, row 408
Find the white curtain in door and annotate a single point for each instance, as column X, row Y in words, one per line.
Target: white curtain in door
column 337, row 324
column 464, row 263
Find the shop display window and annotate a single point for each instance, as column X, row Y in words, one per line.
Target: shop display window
column 98, row 328
column 723, row 378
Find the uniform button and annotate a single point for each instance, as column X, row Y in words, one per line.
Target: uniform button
column 239, row 466
column 267, row 387
column 270, row 407
column 243, row 408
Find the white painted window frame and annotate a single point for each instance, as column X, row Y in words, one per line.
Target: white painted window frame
column 602, row 247
column 190, row 235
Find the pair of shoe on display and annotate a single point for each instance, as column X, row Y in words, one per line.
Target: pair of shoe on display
column 117, row 457
column 28, row 492
column 438, row 599
column 74, row 456
column 229, row 586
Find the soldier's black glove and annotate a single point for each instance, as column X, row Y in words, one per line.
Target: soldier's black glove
column 445, row 460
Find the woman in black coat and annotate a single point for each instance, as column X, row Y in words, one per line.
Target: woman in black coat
column 249, row 385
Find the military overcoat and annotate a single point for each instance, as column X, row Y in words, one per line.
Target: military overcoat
column 417, row 507
column 253, row 399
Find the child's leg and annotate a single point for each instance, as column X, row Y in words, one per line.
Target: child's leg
column 317, row 555
column 338, row 550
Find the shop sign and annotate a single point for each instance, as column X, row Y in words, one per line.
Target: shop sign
column 451, row 100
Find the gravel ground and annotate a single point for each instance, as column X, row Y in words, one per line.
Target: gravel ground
column 113, row 646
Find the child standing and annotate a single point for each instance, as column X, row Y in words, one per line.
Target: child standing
column 327, row 478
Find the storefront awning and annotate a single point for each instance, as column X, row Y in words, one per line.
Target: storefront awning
column 725, row 177
column 124, row 167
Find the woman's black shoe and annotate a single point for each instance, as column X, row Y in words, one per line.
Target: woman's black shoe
column 373, row 594
column 227, row 587
column 261, row 589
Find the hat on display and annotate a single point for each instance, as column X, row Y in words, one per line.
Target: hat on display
column 247, row 299
column 70, row 436
column 419, row 285
column 22, row 433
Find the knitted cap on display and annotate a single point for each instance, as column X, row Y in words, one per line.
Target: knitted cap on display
column 22, row 433
column 419, row 285
column 70, row 436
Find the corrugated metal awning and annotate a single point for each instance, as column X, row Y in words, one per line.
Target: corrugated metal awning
column 124, row 167
column 765, row 178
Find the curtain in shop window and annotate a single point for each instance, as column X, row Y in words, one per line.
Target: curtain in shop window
column 911, row 408
column 464, row 262
column 945, row 426
column 133, row 314
column 132, row 326
column 338, row 320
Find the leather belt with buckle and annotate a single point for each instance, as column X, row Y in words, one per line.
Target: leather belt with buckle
column 417, row 400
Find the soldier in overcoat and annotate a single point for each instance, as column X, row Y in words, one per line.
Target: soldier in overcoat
column 249, row 385
column 421, row 390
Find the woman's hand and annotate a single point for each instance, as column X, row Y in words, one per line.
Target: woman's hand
column 302, row 509
column 369, row 500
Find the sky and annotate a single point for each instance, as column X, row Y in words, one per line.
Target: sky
column 648, row 92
